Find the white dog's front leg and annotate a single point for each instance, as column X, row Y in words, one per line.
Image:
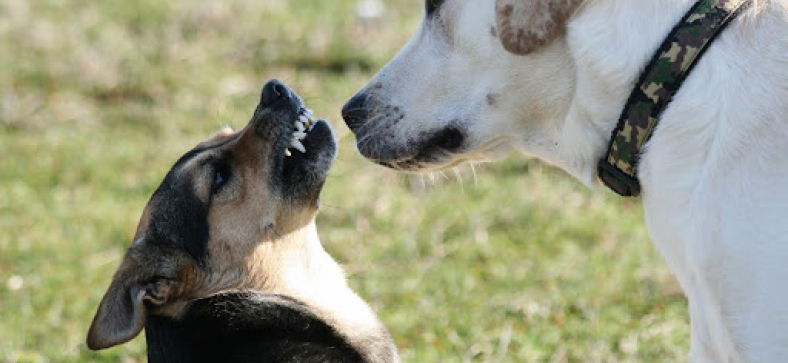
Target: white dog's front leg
column 709, row 337
column 705, row 330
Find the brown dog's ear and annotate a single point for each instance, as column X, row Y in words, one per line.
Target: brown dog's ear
column 527, row 25
column 122, row 312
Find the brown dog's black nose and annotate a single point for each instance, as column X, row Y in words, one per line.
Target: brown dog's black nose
column 355, row 111
column 273, row 91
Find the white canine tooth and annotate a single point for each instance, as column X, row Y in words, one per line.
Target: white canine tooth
column 298, row 145
column 287, row 152
column 308, row 112
column 299, row 135
column 303, row 119
column 300, row 126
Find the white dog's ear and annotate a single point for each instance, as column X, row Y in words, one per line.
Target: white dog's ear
column 527, row 25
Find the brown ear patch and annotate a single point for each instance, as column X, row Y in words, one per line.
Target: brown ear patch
column 526, row 25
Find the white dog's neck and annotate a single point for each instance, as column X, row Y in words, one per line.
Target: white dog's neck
column 608, row 53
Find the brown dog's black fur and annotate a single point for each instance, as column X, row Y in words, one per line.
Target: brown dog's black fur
column 245, row 327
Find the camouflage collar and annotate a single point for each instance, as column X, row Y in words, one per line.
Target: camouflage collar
column 658, row 83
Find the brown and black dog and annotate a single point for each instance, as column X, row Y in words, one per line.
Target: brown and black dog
column 226, row 264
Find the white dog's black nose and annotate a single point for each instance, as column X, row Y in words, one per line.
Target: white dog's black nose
column 355, row 111
column 273, row 91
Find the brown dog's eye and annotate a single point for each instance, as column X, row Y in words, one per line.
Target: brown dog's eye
column 220, row 177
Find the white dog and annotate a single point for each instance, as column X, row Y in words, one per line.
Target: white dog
column 550, row 77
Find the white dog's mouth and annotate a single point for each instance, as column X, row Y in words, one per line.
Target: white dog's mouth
column 430, row 151
column 376, row 124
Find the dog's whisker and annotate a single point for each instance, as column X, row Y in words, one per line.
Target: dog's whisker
column 275, row 232
column 459, row 178
column 332, row 206
column 473, row 171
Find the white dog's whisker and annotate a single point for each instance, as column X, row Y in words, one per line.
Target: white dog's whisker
column 459, row 178
column 473, row 171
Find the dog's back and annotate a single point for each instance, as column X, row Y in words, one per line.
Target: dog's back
column 246, row 327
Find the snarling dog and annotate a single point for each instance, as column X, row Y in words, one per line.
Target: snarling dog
column 550, row 78
column 226, row 264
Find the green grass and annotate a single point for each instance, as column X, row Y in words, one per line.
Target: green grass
column 518, row 263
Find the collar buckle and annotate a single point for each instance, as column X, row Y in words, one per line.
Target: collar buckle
column 620, row 182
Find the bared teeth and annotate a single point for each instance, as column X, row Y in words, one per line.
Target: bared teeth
column 301, row 127
column 296, row 144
